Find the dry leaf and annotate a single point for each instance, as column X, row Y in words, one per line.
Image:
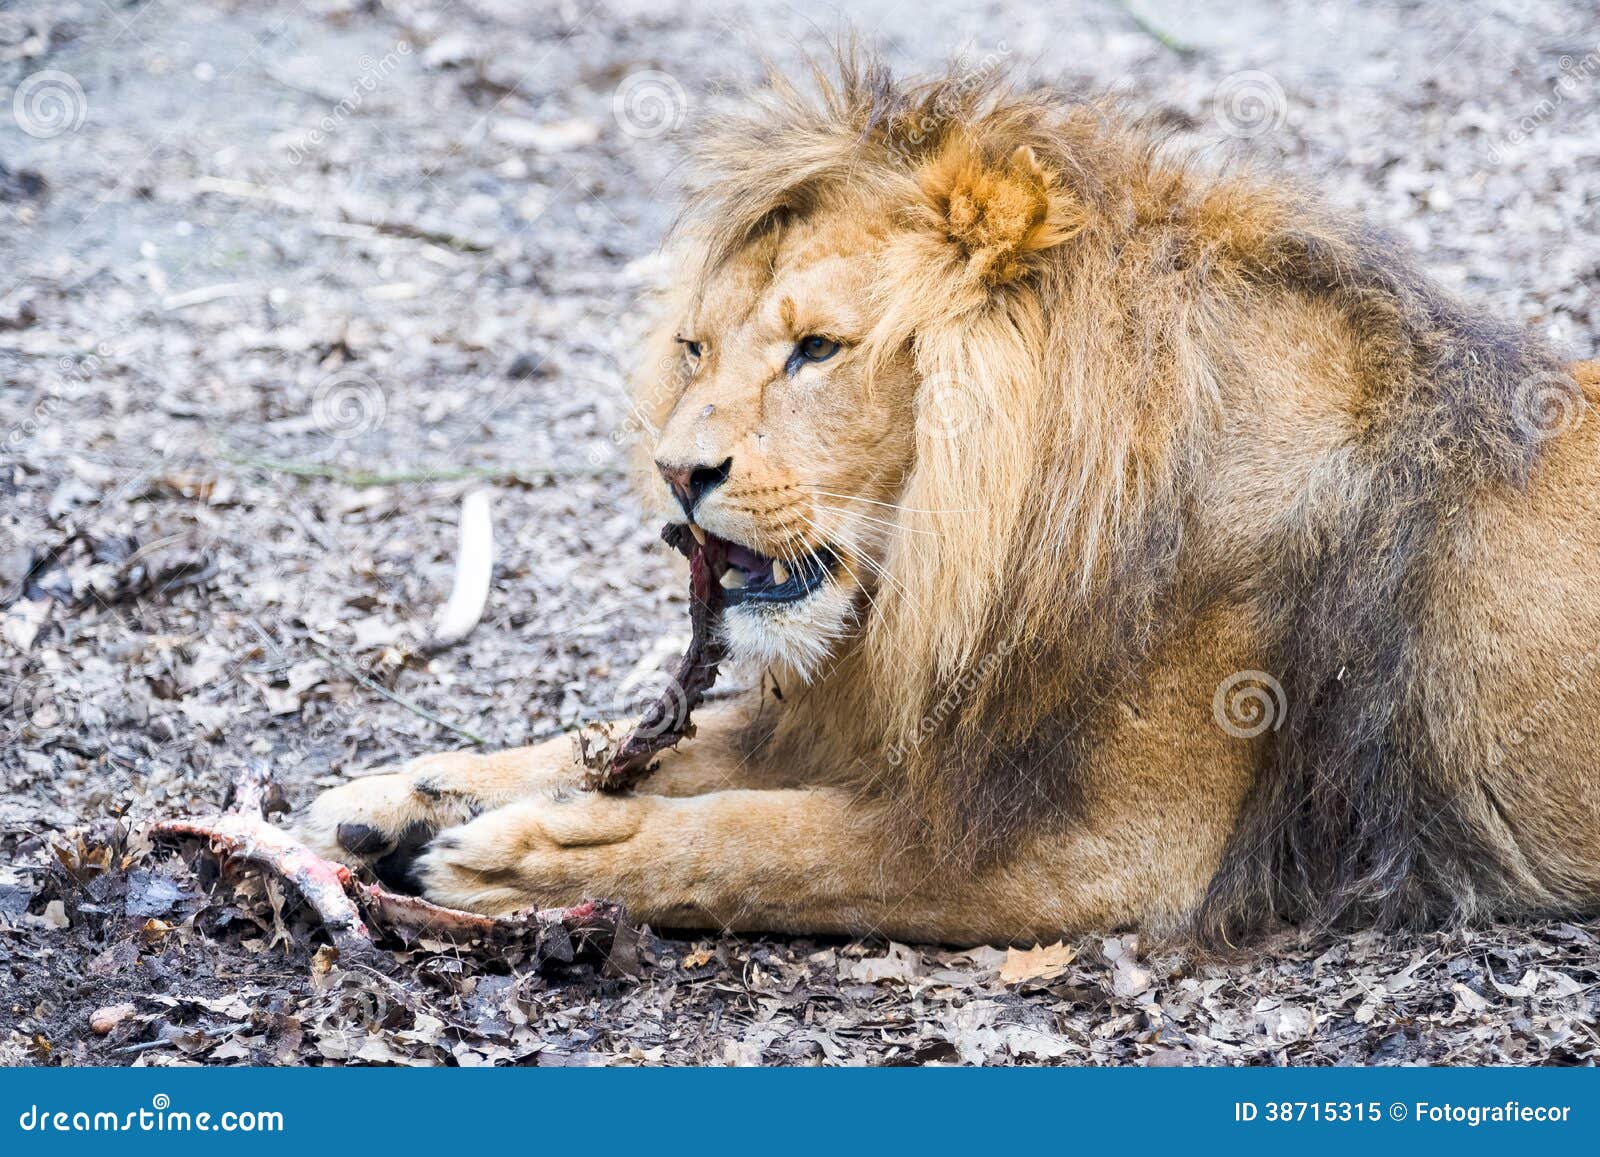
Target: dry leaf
column 1043, row 963
column 900, row 963
column 474, row 570
column 1128, row 979
column 1468, row 1001
column 55, row 915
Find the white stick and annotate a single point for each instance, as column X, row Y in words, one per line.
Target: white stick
column 474, row 569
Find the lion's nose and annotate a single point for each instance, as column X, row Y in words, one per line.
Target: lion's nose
column 692, row 483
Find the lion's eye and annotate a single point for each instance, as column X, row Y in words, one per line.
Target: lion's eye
column 694, row 347
column 816, row 349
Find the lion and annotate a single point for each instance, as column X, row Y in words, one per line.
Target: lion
column 1126, row 542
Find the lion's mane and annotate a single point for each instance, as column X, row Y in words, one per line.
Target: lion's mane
column 1087, row 344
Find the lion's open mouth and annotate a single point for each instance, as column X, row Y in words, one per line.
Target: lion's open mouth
column 752, row 578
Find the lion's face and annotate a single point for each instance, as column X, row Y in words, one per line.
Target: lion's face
column 804, row 413
column 783, row 443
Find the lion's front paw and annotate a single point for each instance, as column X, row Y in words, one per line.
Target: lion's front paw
column 537, row 853
column 385, row 821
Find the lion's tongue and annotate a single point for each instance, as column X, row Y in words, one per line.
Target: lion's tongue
column 748, row 560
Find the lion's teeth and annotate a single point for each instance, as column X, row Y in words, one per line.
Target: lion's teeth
column 699, row 535
column 731, row 579
column 780, row 573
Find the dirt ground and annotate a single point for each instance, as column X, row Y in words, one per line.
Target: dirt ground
column 281, row 282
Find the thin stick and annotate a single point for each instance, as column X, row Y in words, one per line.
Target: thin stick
column 395, row 226
column 1152, row 30
column 365, row 480
column 415, row 709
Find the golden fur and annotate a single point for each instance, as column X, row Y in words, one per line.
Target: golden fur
column 1107, row 438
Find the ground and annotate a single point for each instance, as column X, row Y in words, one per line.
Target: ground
column 280, row 283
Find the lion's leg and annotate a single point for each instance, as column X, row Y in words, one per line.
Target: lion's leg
column 1137, row 847
column 816, row 860
column 384, row 819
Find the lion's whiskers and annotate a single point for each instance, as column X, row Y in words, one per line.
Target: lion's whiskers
column 879, row 521
column 888, row 505
column 844, row 561
column 867, row 561
column 880, row 528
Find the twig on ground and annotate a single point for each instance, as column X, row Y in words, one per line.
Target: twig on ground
column 371, row 217
column 294, row 84
column 1154, row 31
column 215, row 1033
column 203, row 295
column 365, row 480
column 416, row 709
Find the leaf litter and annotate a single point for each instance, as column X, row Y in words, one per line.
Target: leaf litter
column 203, row 566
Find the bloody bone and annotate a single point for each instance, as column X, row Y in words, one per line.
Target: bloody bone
column 345, row 905
column 665, row 723
column 243, row 833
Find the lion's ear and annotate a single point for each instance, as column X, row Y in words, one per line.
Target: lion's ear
column 999, row 213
